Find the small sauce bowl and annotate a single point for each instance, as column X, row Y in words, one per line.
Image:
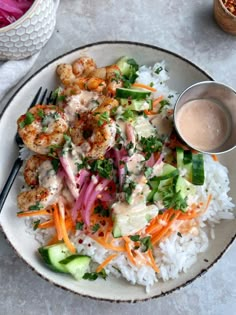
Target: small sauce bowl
column 205, row 117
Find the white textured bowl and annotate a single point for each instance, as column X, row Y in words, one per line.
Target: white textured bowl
column 30, row 33
column 182, row 74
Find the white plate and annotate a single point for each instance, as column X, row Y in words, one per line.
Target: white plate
column 182, row 73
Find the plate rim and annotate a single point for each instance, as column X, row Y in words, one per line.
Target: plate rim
column 115, row 42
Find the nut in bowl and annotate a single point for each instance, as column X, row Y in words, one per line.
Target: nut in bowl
column 225, row 15
column 28, row 34
column 205, row 117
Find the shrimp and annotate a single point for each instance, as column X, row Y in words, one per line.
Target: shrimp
column 31, row 169
column 83, row 66
column 111, row 75
column 107, row 105
column 65, row 73
column 46, row 190
column 114, row 79
column 43, row 126
column 91, row 84
column 68, row 73
column 94, row 133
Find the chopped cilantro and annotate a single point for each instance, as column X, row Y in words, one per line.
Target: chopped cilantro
column 36, row 224
column 130, row 146
column 83, row 164
column 67, row 138
column 179, row 234
column 150, row 145
column 102, row 211
column 163, row 103
column 37, row 206
column 79, row 226
column 41, row 113
column 158, row 70
column 173, row 199
column 102, row 118
column 95, row 227
column 29, row 118
column 128, row 189
column 94, row 275
column 52, row 150
column 130, row 78
column 55, row 164
column 135, row 238
column 145, row 242
column 103, row 167
column 128, row 115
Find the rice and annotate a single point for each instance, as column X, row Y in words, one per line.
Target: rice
column 177, row 253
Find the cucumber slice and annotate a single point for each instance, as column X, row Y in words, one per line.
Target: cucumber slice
column 184, row 161
column 198, row 176
column 187, row 157
column 124, row 65
column 53, row 254
column 179, row 157
column 76, row 265
column 184, row 187
column 136, row 105
column 132, row 93
column 168, row 171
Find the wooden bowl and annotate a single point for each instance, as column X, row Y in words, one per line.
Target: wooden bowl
column 225, row 19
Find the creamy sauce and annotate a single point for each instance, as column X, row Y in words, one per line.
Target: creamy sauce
column 203, row 124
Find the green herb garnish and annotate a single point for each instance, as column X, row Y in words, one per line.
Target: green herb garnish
column 103, row 167
column 103, row 118
column 158, row 70
column 95, row 227
column 36, row 224
column 29, row 118
column 145, row 242
column 150, row 145
column 94, row 275
column 128, row 115
column 173, row 199
column 102, row 211
column 79, row 226
column 55, row 164
column 128, row 189
column 37, row 206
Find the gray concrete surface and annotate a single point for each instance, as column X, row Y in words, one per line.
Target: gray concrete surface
column 187, row 28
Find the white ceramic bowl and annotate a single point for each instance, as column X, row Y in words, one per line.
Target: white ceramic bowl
column 182, row 74
column 30, row 33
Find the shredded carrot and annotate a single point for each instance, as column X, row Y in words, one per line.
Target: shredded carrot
column 208, row 202
column 46, row 224
column 215, row 158
column 144, row 86
column 57, row 222
column 105, row 262
column 107, row 245
column 153, row 263
column 128, row 250
column 157, row 101
column 156, row 237
column 33, row 213
column 65, row 237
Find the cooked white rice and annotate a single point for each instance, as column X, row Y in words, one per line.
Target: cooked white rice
column 175, row 254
